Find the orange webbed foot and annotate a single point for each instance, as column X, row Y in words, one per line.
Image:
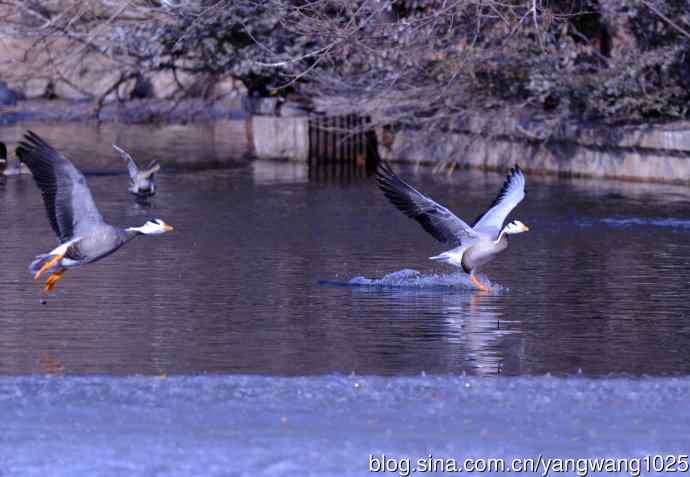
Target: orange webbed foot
column 47, row 266
column 52, row 280
column 478, row 284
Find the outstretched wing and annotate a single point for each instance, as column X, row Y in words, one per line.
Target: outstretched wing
column 440, row 222
column 511, row 194
column 68, row 201
column 153, row 167
column 132, row 166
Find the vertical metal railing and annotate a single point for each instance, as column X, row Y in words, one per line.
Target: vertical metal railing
column 345, row 141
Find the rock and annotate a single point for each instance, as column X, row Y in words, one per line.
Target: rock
column 92, row 78
column 38, row 88
column 226, row 89
column 8, row 96
column 167, row 84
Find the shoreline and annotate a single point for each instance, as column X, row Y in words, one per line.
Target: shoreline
column 654, row 153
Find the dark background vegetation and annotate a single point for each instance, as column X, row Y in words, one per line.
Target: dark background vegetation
column 418, row 62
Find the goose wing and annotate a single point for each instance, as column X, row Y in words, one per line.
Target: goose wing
column 153, row 167
column 132, row 166
column 440, row 222
column 68, row 201
column 510, row 195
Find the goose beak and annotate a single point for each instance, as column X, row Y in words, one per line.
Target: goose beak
column 526, row 229
column 168, row 228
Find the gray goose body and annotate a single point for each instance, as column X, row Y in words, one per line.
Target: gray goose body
column 102, row 241
column 83, row 234
column 475, row 245
column 481, row 253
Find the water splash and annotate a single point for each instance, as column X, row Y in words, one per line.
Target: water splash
column 413, row 279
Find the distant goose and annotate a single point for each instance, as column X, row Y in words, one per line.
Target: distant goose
column 11, row 166
column 73, row 215
column 142, row 182
column 475, row 245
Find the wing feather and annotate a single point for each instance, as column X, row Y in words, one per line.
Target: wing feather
column 132, row 166
column 510, row 195
column 440, row 222
column 70, row 207
column 153, row 167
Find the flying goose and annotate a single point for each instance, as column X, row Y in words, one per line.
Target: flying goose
column 84, row 236
column 474, row 246
column 142, row 182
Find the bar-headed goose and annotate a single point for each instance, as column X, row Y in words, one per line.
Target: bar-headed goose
column 84, row 236
column 142, row 182
column 475, row 245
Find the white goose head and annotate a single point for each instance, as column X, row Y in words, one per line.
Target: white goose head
column 152, row 227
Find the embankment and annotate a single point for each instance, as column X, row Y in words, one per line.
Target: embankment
column 649, row 153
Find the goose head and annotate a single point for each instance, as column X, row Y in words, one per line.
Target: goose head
column 152, row 227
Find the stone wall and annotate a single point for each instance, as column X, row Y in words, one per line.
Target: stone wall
column 273, row 137
column 654, row 153
column 90, row 76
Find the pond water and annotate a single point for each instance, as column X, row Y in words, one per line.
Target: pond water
column 255, row 279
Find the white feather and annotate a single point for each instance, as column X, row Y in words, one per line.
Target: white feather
column 62, row 248
column 453, row 257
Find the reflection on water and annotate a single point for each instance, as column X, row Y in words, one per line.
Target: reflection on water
column 238, row 286
column 480, row 327
column 470, row 319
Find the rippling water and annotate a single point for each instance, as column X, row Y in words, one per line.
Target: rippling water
column 273, row 270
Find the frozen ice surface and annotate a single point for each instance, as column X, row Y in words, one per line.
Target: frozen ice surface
column 325, row 425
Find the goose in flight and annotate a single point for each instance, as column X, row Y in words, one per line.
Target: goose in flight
column 142, row 182
column 475, row 245
column 84, row 236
